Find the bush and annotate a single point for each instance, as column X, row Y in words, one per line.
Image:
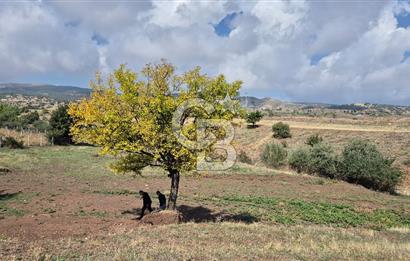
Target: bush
column 313, row 140
column 244, row 158
column 29, row 118
column 323, row 161
column 8, row 115
column 363, row 164
column 320, row 160
column 299, row 160
column 59, row 127
column 274, row 155
column 41, row 125
column 11, row 143
column 254, row 117
column 281, row 130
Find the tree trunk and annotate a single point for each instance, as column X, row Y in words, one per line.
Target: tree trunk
column 172, row 200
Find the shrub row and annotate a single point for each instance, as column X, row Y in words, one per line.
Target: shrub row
column 360, row 163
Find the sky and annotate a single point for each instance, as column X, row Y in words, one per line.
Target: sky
column 311, row 51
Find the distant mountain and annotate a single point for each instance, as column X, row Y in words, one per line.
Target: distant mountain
column 276, row 107
column 265, row 103
column 65, row 93
column 70, row 93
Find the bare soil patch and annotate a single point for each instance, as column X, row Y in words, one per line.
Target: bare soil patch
column 41, row 206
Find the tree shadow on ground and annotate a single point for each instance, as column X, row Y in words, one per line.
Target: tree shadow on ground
column 252, row 126
column 7, row 196
column 200, row 214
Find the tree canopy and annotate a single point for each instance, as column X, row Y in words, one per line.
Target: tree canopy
column 59, row 126
column 130, row 116
column 253, row 117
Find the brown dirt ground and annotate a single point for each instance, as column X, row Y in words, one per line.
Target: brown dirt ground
column 63, row 206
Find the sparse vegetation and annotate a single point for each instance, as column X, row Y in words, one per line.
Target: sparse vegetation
column 274, row 202
column 286, row 211
column 406, row 162
column 281, row 130
column 232, row 241
column 314, row 139
column 274, row 155
column 244, row 158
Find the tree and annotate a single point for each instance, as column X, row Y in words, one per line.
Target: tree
column 59, row 126
column 253, row 117
column 281, row 130
column 8, row 115
column 29, row 118
column 132, row 118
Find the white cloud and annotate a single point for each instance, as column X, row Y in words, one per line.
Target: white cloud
column 270, row 47
column 34, row 40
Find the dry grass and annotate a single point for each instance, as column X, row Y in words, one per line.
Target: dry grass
column 29, row 138
column 391, row 135
column 220, row 241
column 71, row 204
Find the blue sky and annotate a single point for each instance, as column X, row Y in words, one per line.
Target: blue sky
column 314, row 51
column 403, row 19
column 225, row 26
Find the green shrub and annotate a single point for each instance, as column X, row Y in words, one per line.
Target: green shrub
column 11, row 143
column 299, row 160
column 313, row 140
column 8, row 115
column 59, row 127
column 274, row 155
column 244, row 158
column 254, row 117
column 29, row 118
column 281, row 130
column 323, row 161
column 320, row 159
column 362, row 163
column 41, row 125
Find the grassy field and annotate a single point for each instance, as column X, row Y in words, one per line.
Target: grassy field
column 63, row 203
column 223, row 241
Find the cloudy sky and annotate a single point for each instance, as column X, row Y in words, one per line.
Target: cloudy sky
column 316, row 51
